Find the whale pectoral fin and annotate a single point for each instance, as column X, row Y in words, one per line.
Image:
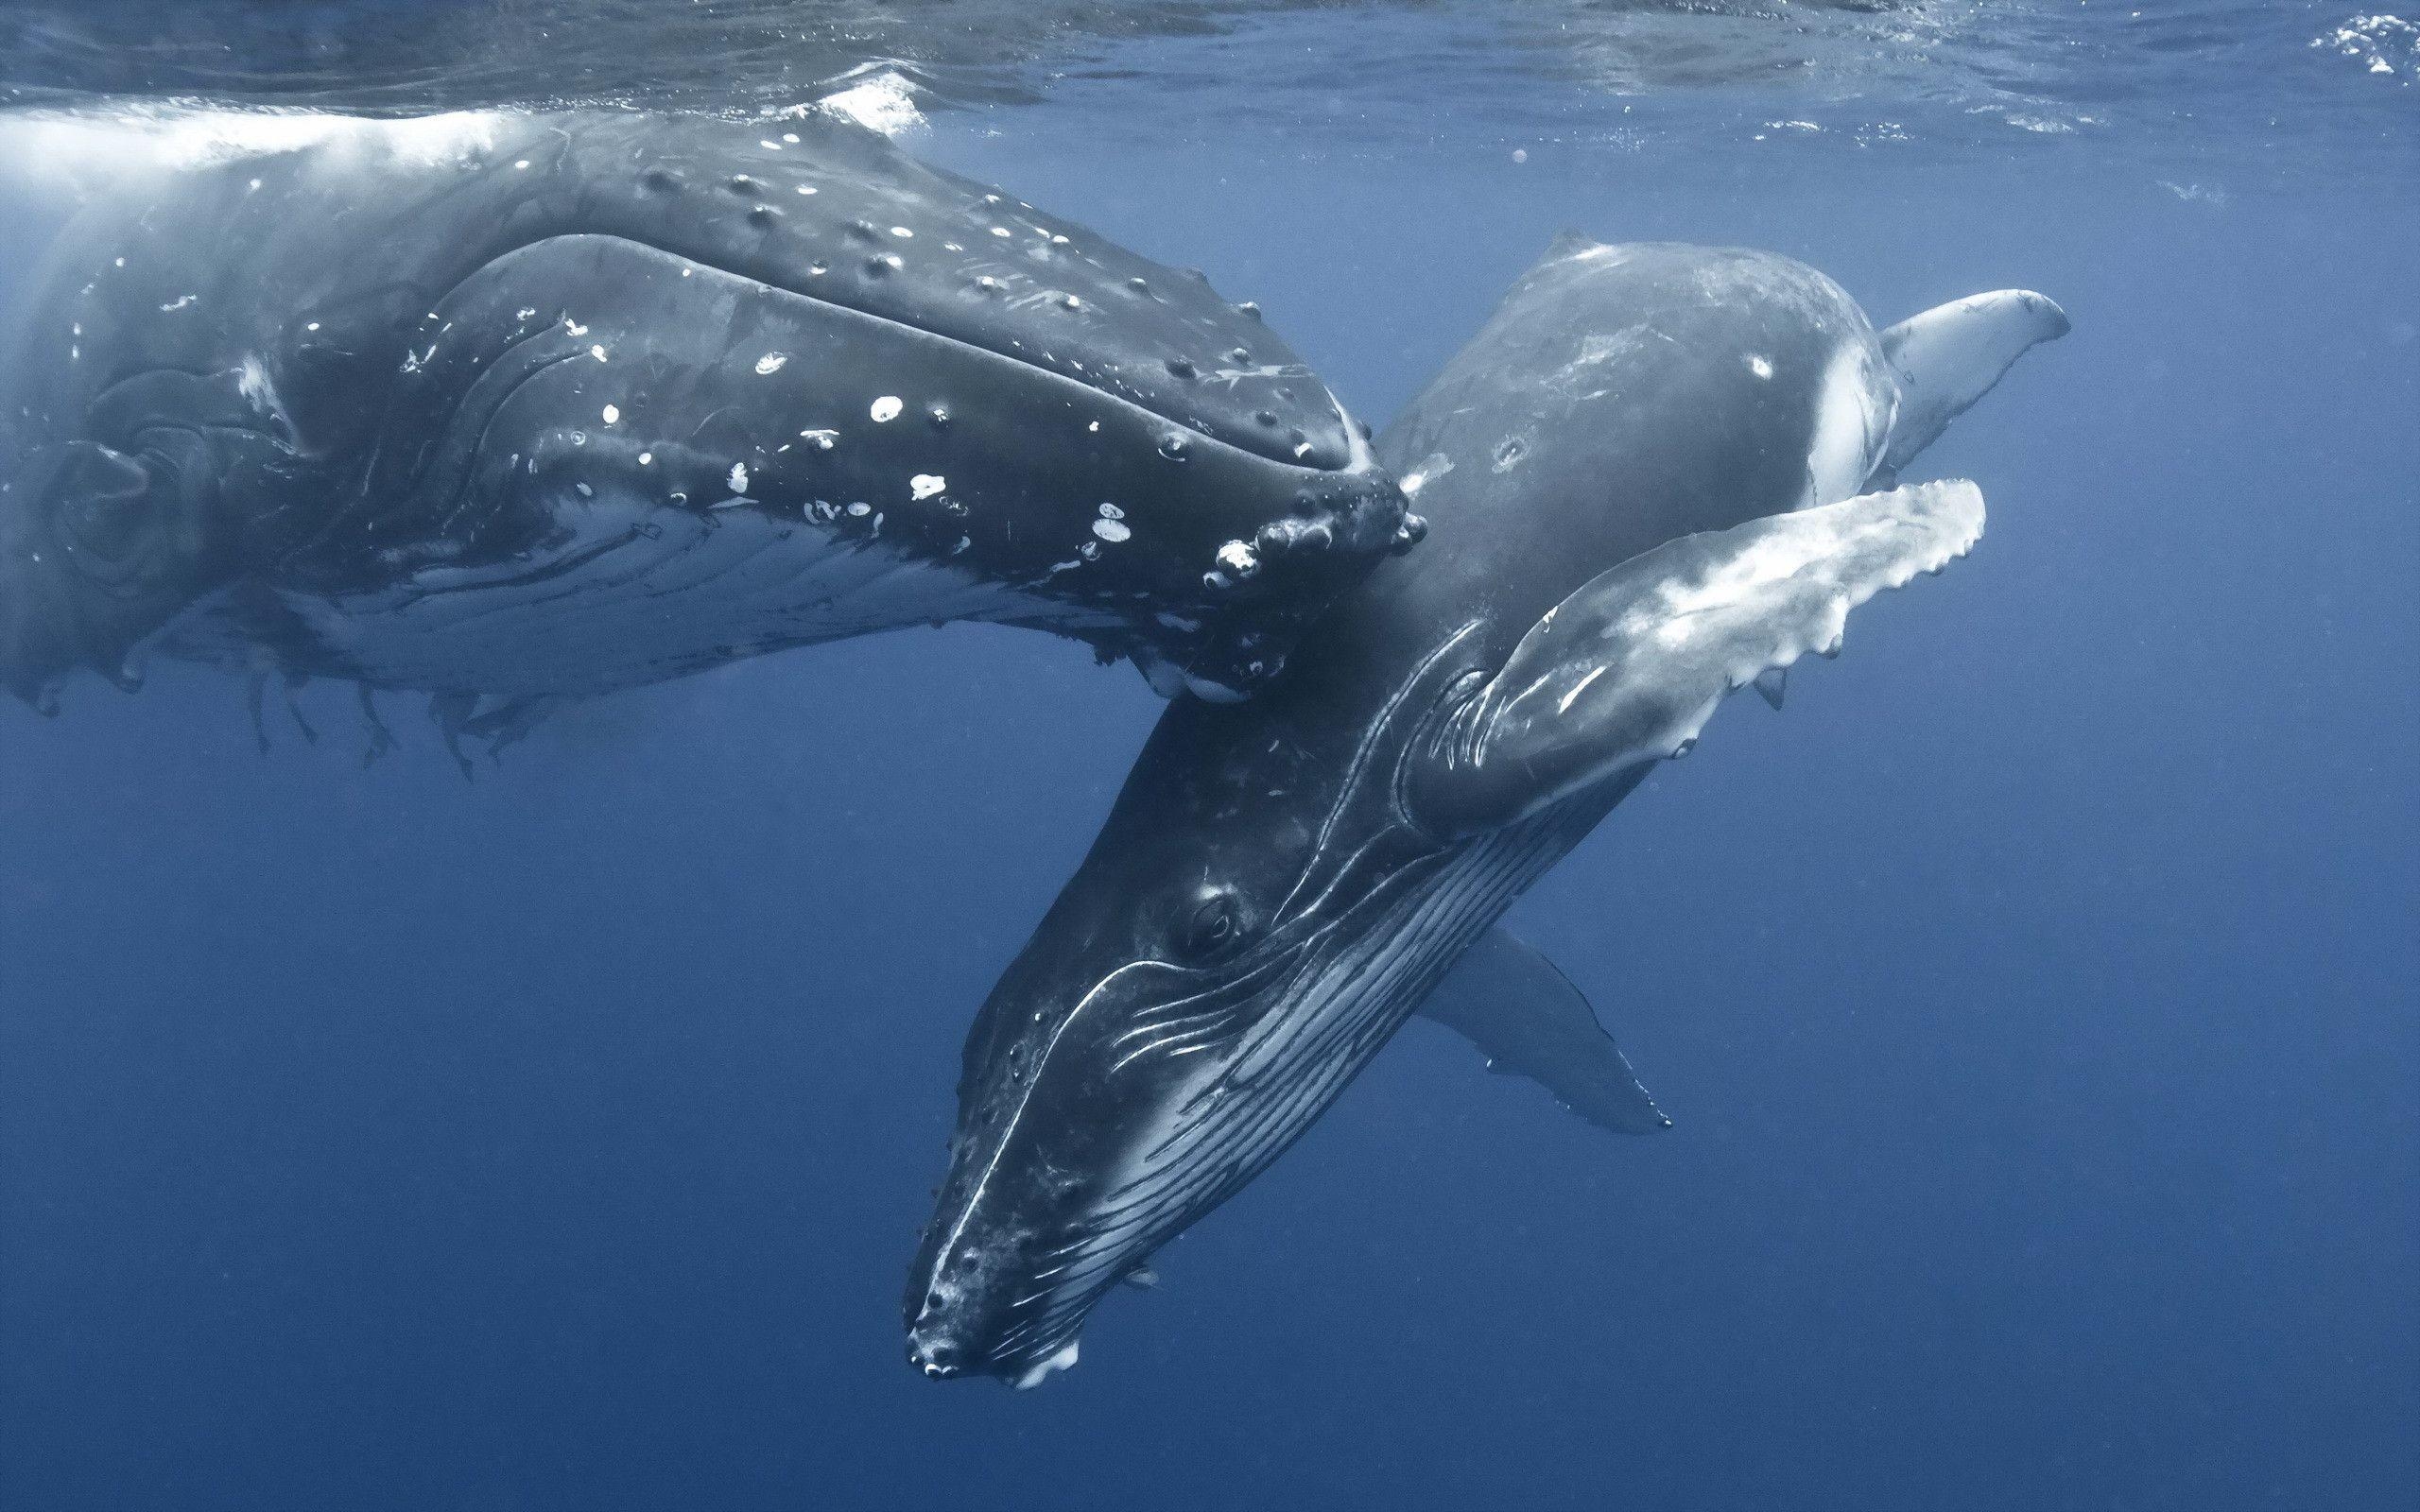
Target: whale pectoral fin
column 1951, row 356
column 1626, row 670
column 1528, row 1019
column 509, row 722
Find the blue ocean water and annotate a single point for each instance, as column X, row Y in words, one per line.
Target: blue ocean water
column 2036, row 997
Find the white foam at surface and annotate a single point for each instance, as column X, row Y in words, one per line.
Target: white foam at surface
column 2380, row 44
column 882, row 101
column 177, row 137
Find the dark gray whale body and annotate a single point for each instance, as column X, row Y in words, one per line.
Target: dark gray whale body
column 584, row 399
column 1643, row 482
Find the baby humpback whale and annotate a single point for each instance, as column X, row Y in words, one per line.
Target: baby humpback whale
column 527, row 407
column 1643, row 480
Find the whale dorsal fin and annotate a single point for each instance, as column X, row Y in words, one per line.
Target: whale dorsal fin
column 1528, row 1020
column 1626, row 670
column 1951, row 356
column 1569, row 243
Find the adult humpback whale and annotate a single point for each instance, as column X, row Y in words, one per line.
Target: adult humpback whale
column 1640, row 479
column 529, row 406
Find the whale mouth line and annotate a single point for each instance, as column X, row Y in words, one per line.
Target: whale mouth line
column 1360, row 458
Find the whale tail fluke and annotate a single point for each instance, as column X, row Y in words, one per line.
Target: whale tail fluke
column 1952, row 354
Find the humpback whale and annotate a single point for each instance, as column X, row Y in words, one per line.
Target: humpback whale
column 524, row 406
column 1658, row 474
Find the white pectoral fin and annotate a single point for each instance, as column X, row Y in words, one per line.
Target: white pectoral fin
column 1528, row 1020
column 1951, row 356
column 1626, row 670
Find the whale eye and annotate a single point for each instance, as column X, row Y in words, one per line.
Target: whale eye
column 1215, row 924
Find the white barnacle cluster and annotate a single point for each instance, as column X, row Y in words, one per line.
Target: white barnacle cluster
column 258, row 389
column 1110, row 525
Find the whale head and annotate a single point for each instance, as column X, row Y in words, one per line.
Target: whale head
column 1254, row 920
column 566, row 353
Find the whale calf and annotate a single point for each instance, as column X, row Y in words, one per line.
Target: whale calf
column 520, row 407
column 1643, row 482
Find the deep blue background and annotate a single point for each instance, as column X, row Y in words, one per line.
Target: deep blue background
column 2036, row 996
